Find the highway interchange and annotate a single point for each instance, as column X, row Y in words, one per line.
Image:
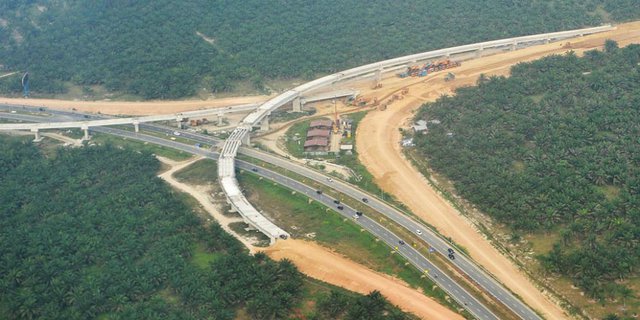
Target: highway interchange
column 411, row 254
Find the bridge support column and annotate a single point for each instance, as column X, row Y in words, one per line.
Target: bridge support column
column 246, row 139
column 297, row 105
column 136, row 126
column 513, row 46
column 86, row 136
column 179, row 122
column 220, row 119
column 547, row 40
column 479, row 52
column 37, row 138
column 377, row 78
column 264, row 124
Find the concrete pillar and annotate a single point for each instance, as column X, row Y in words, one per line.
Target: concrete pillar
column 448, row 55
column 136, row 125
column 513, row 46
column 297, row 105
column 246, row 140
column 38, row 138
column 547, row 40
column 479, row 52
column 86, row 136
column 264, row 124
column 377, row 77
column 179, row 121
column 220, row 119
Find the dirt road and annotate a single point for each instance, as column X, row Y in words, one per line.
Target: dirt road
column 378, row 145
column 135, row 108
column 320, row 263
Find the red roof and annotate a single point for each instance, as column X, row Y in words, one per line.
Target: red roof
column 318, row 133
column 321, row 123
column 316, row 142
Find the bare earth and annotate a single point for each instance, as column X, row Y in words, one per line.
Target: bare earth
column 378, row 145
column 135, row 108
column 320, row 263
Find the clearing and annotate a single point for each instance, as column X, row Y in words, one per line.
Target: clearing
column 378, row 135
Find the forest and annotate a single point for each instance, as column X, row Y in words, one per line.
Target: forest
column 92, row 233
column 553, row 149
column 166, row 49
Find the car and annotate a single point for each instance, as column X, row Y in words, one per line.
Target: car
column 329, row 179
column 359, row 214
column 176, row 133
column 418, row 232
column 319, row 191
column 254, row 169
column 336, row 201
column 340, row 207
column 450, row 251
column 401, row 242
column 356, row 216
column 452, row 256
column 365, row 200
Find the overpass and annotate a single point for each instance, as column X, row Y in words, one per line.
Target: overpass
column 135, row 121
column 226, row 164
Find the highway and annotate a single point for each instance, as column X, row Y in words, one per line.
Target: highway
column 458, row 293
column 437, row 242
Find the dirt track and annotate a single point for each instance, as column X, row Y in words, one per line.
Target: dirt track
column 135, row 108
column 378, row 145
column 320, row 263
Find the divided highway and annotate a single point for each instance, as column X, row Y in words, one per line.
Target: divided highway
column 463, row 297
column 434, row 240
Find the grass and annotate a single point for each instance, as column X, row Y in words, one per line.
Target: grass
column 295, row 147
column 202, row 258
column 241, row 228
column 202, row 172
column 310, row 219
column 163, row 151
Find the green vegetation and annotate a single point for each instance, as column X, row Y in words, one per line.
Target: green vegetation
column 104, row 139
column 169, row 49
column 296, row 135
column 93, row 233
column 553, row 149
column 312, row 220
column 202, row 172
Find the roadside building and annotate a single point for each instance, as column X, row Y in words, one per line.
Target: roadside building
column 321, row 124
column 420, row 126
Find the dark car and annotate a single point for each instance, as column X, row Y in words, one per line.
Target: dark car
column 358, row 213
column 451, row 256
column 336, row 201
column 365, row 200
column 319, row 191
column 254, row 169
column 401, row 242
column 450, row 251
column 340, row 207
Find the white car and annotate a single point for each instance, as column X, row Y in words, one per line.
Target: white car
column 418, row 232
column 329, row 179
column 176, row 133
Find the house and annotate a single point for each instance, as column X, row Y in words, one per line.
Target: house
column 420, row 126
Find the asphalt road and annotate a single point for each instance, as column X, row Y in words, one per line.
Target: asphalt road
column 435, row 241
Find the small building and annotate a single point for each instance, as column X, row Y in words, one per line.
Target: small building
column 316, row 144
column 322, row 133
column 420, row 126
column 321, row 124
column 407, row 142
column 346, row 147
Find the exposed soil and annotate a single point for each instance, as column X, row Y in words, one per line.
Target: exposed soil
column 320, row 263
column 135, row 108
column 378, row 145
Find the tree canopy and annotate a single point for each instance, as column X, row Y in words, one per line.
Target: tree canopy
column 552, row 148
column 169, row 49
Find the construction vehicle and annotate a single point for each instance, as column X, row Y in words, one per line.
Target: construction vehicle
column 449, row 77
column 427, row 68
